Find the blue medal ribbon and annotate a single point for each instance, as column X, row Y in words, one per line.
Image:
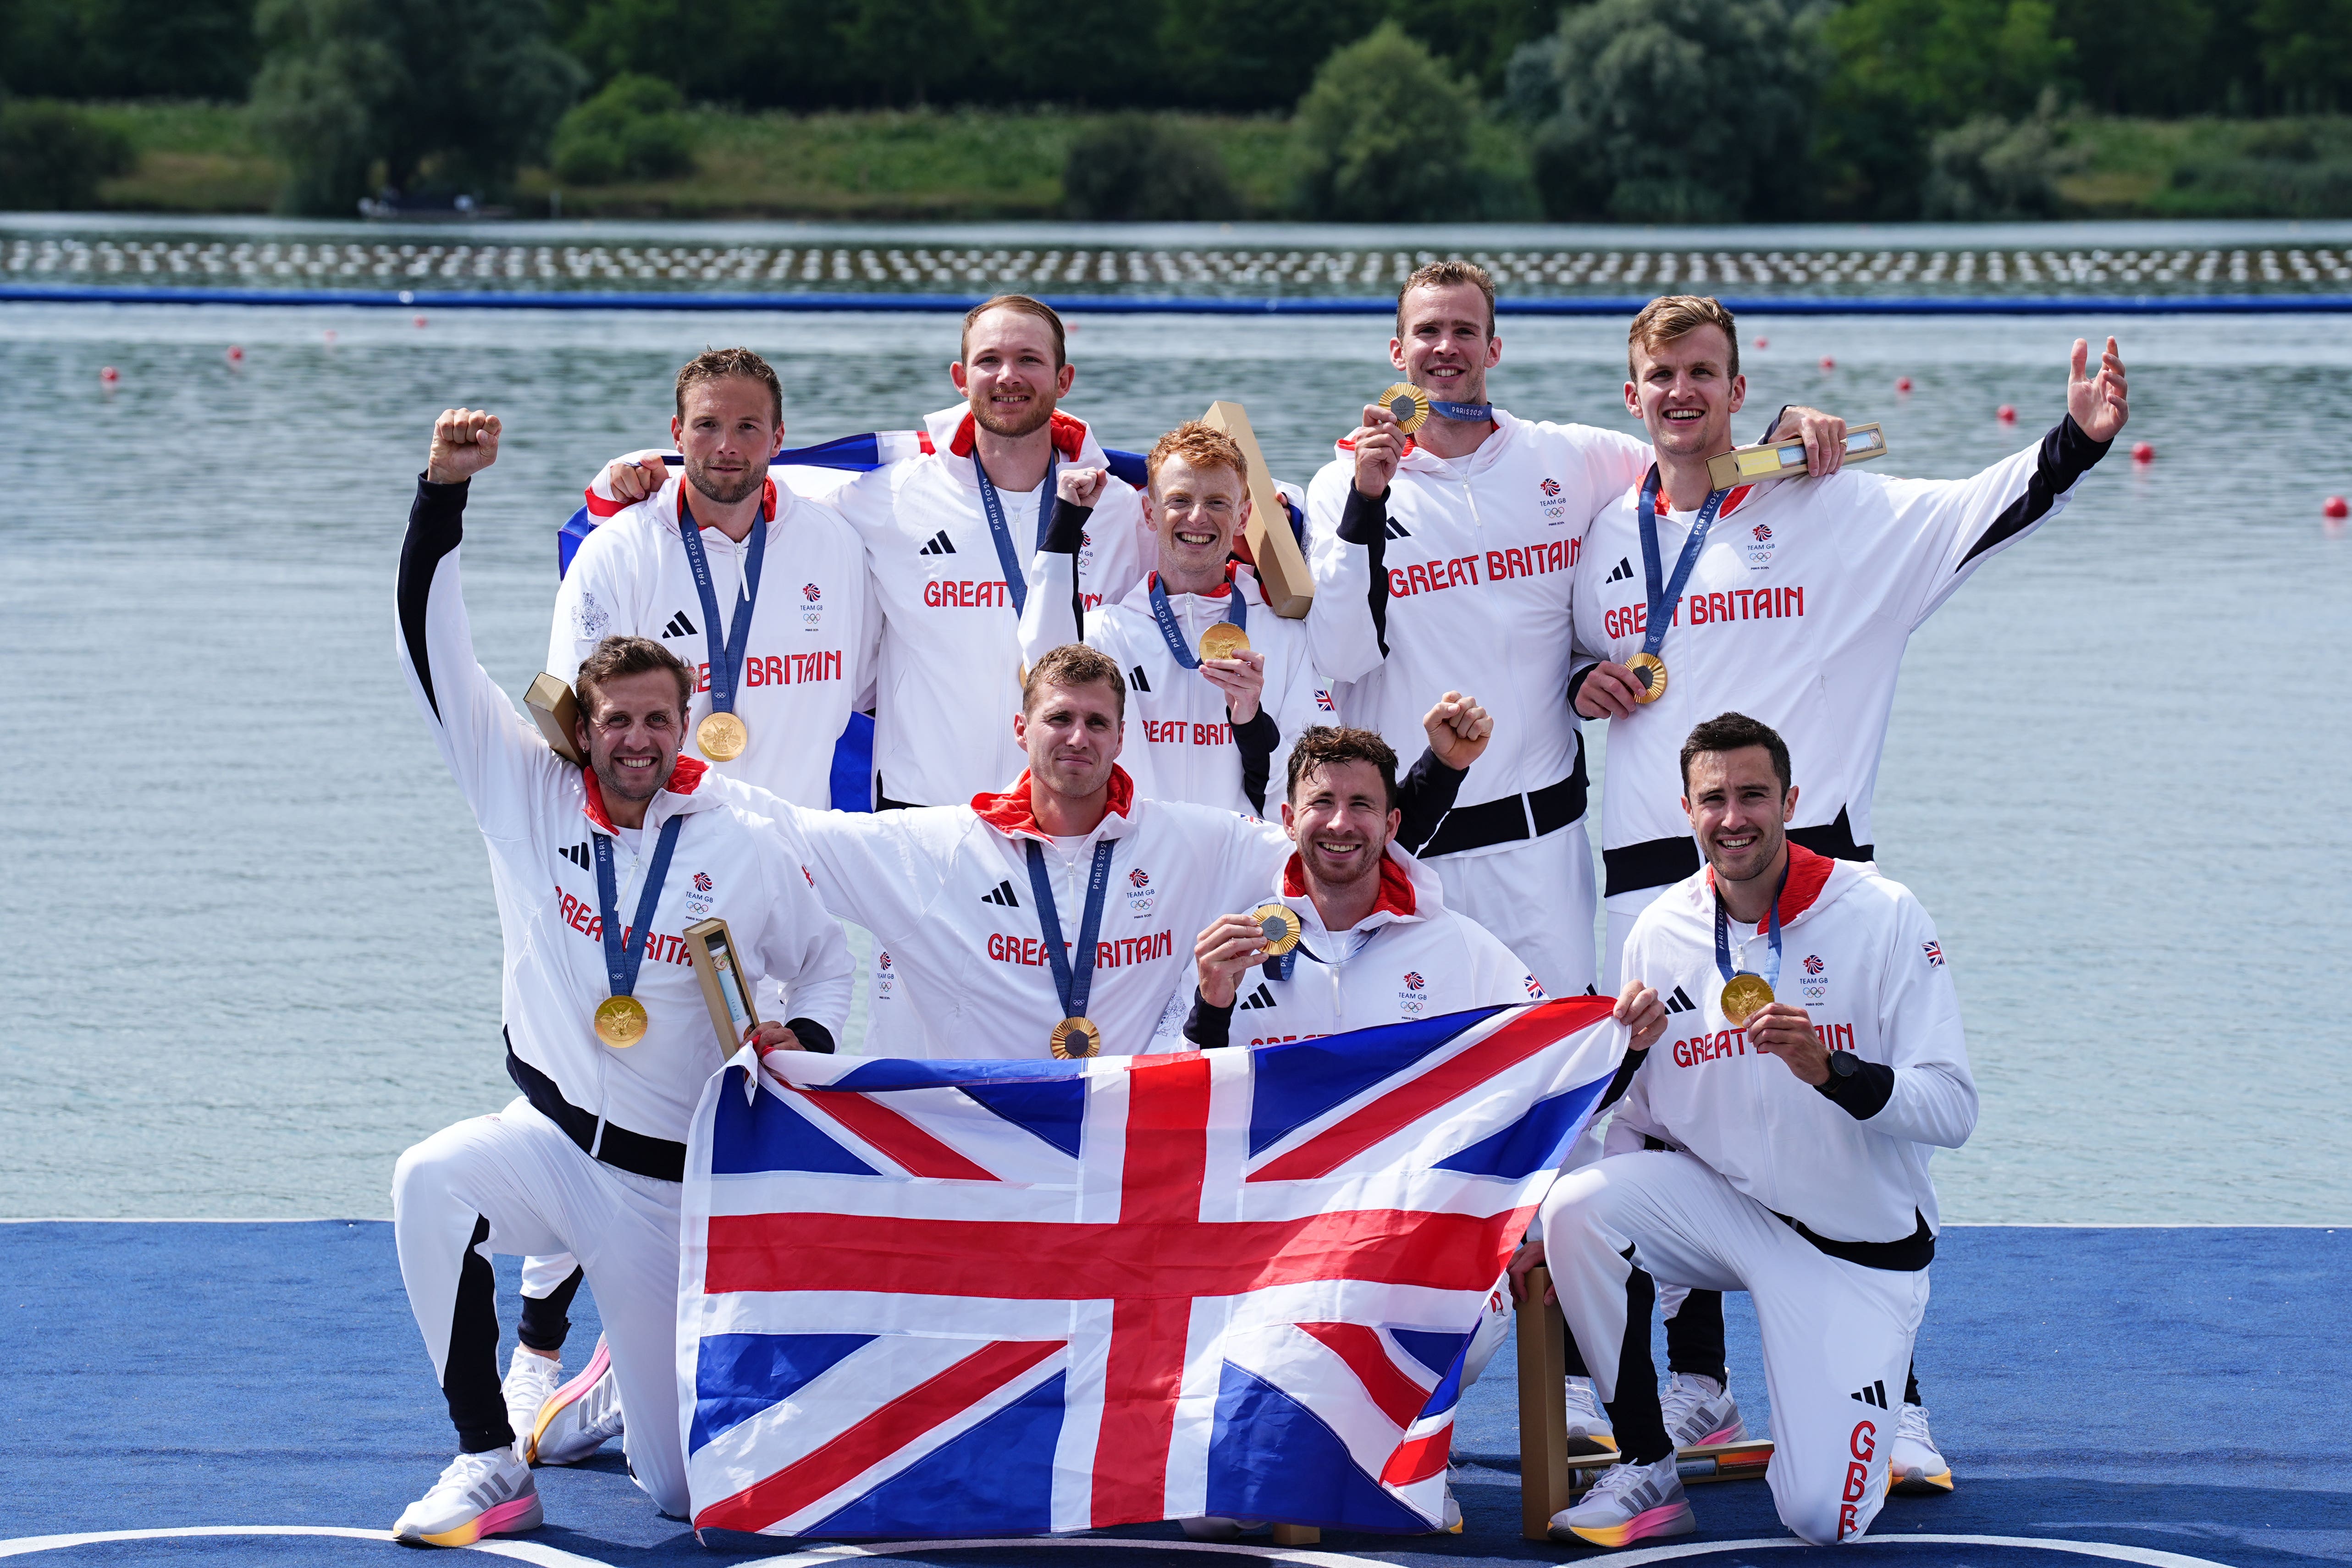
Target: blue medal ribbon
column 1662, row 600
column 1237, row 611
column 727, row 647
column 1723, row 936
column 621, row 959
column 1073, row 979
column 1016, row 580
column 1280, row 968
column 1468, row 412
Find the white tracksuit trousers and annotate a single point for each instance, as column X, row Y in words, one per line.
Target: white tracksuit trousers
column 513, row 1183
column 1537, row 897
column 1837, row 1336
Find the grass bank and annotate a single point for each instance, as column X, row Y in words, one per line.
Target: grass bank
column 948, row 164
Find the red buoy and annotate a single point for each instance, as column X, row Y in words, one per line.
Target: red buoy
column 2007, row 414
column 110, row 375
column 420, row 321
column 1902, row 383
column 330, row 334
column 2335, row 508
column 2143, row 452
column 1763, row 343
column 235, row 354
column 1828, row 363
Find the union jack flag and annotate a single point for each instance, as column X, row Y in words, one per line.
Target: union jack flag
column 968, row 1299
column 1935, row 952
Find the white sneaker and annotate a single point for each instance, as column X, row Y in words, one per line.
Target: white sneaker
column 489, row 1493
column 581, row 1416
column 1700, row 1412
column 531, row 1378
column 1914, row 1467
column 1629, row 1502
column 1589, row 1431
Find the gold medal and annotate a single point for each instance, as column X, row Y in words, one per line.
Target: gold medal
column 620, row 1021
column 1280, row 924
column 1651, row 671
column 1224, row 640
column 1409, row 404
column 1742, row 994
column 1073, row 1039
column 721, row 736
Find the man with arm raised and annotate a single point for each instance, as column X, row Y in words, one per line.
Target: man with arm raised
column 597, row 870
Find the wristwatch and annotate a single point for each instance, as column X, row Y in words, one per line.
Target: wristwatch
column 1843, row 1065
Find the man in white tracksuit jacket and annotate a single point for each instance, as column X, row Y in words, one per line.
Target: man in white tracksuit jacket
column 1446, row 561
column 1211, row 730
column 596, row 872
column 1796, row 611
column 1783, row 1151
column 1067, row 896
column 1372, row 949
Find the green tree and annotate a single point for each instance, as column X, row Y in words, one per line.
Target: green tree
column 1908, row 68
column 719, row 51
column 1252, row 55
column 128, row 48
column 1385, row 135
column 1143, row 168
column 1475, row 37
column 631, row 129
column 2306, row 52
column 52, row 157
column 2143, row 57
column 1677, row 111
column 443, row 95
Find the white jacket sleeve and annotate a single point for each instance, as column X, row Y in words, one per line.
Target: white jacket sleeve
column 802, row 946
column 872, row 869
column 1943, row 530
column 496, row 755
column 1935, row 1097
column 1049, row 618
column 601, row 502
column 1342, row 626
column 1497, row 978
column 587, row 603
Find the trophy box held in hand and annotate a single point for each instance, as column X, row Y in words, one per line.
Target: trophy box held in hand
column 724, row 990
column 557, row 711
column 1746, row 465
column 1273, row 548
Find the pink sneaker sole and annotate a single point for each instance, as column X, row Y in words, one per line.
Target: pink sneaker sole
column 522, row 1513
column 567, row 1394
column 1673, row 1519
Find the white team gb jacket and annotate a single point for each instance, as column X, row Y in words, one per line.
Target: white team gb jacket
column 1179, row 744
column 537, row 814
column 947, row 890
column 1861, row 956
column 809, row 657
column 1472, row 595
column 1411, row 958
column 1796, row 614
column 949, row 674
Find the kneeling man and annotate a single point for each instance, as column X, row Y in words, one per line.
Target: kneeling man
column 1779, row 1147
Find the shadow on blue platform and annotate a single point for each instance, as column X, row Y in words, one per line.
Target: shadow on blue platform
column 2115, row 1388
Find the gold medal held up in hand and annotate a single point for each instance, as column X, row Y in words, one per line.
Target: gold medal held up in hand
column 1409, row 404
column 620, row 1021
column 1743, row 994
column 1280, row 924
column 1224, row 640
column 1075, row 1039
column 721, row 736
column 1651, row 671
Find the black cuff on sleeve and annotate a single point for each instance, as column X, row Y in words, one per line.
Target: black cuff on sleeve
column 1365, row 518
column 437, row 522
column 1576, row 684
column 1622, row 1081
column 2070, row 449
column 1760, row 440
column 811, row 1034
column 436, row 518
column 1209, row 1028
column 1067, row 531
column 1864, row 1095
column 1256, row 741
column 1426, row 794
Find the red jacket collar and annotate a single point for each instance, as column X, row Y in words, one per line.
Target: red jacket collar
column 683, row 779
column 1069, row 437
column 1396, row 885
column 1011, row 813
column 1808, row 874
column 1152, row 577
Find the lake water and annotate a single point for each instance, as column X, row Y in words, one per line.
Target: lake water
column 255, row 949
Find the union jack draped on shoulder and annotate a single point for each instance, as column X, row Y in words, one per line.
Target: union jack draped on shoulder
column 976, row 1299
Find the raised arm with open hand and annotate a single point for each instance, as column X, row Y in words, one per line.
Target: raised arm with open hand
column 2102, row 404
